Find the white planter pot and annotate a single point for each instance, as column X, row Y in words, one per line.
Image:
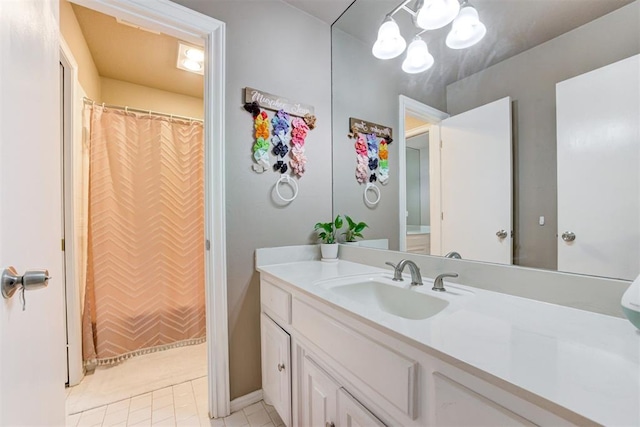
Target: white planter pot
column 329, row 250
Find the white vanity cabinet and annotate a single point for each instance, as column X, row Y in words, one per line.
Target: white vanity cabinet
column 276, row 367
column 340, row 370
column 324, row 403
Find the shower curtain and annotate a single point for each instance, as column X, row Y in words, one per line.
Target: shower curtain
column 145, row 248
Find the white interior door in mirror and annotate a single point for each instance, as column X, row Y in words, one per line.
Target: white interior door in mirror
column 476, row 181
column 598, row 171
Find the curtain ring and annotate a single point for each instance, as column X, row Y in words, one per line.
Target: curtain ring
column 374, row 188
column 286, row 179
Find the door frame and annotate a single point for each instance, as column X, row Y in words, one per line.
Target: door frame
column 73, row 310
column 202, row 30
column 432, row 116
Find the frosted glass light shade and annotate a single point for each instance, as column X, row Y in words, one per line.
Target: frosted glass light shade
column 418, row 57
column 194, row 54
column 437, row 13
column 390, row 42
column 466, row 30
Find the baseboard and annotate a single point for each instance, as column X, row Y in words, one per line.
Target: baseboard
column 246, row 400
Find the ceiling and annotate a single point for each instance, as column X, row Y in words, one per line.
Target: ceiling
column 513, row 26
column 325, row 10
column 129, row 54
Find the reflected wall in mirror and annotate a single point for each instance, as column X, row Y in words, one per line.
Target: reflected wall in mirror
column 568, row 70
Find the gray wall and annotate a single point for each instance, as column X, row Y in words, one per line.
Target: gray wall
column 363, row 90
column 413, row 186
column 530, row 79
column 276, row 48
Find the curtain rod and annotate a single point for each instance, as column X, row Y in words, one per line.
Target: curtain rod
column 138, row 110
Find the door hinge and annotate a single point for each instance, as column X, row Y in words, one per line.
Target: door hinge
column 441, row 216
column 441, row 144
column 208, row 244
column 62, row 245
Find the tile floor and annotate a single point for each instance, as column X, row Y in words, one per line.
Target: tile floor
column 137, row 376
column 183, row 404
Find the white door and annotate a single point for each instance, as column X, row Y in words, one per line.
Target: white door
column 32, row 363
column 276, row 367
column 598, row 171
column 476, row 180
column 319, row 396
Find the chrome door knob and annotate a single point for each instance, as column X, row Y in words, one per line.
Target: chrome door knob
column 502, row 234
column 568, row 236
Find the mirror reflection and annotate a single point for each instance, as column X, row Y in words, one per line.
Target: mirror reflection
column 523, row 148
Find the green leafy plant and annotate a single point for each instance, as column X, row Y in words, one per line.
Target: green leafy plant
column 355, row 229
column 328, row 230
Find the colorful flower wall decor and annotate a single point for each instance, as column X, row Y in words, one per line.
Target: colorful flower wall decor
column 288, row 134
column 372, row 151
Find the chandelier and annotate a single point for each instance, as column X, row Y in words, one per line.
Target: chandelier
column 466, row 31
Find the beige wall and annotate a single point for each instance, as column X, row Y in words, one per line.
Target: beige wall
column 126, row 94
column 300, row 71
column 87, row 71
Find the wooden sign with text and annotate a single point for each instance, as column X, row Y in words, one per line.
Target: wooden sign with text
column 363, row 126
column 274, row 102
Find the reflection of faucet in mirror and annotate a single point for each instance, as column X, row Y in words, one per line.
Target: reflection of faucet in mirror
column 438, row 285
column 416, row 277
column 454, row 255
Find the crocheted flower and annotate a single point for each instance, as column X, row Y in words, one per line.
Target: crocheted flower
column 383, row 164
column 362, row 169
column 262, row 129
column 298, row 160
column 253, row 108
column 372, row 141
column 280, row 122
column 373, row 164
column 280, row 149
column 261, row 144
column 310, row 120
column 383, row 152
column 300, row 128
column 280, row 166
column 373, row 177
column 361, row 146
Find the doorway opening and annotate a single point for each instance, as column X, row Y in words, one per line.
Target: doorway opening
column 186, row 133
column 419, row 172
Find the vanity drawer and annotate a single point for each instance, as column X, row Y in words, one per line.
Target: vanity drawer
column 390, row 374
column 275, row 301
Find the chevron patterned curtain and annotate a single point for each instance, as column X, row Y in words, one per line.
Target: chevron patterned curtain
column 145, row 263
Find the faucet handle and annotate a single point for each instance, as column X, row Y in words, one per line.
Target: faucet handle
column 438, row 285
column 397, row 274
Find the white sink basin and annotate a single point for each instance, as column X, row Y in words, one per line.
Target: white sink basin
column 381, row 293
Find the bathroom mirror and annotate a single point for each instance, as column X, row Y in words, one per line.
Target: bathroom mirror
column 543, row 61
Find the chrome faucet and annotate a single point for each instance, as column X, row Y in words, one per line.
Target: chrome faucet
column 453, row 254
column 416, row 277
column 438, row 285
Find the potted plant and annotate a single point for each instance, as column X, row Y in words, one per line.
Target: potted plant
column 327, row 235
column 354, row 230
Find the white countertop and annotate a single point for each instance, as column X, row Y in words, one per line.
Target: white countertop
column 585, row 362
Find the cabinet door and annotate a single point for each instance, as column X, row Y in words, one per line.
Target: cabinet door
column 318, row 396
column 276, row 367
column 457, row 405
column 352, row 414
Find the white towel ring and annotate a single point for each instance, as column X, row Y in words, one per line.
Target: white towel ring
column 286, row 179
column 374, row 188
